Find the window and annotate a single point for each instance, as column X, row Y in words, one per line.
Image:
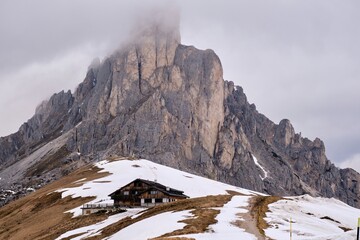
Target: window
column 147, row 200
column 126, row 193
column 153, row 192
column 158, row 200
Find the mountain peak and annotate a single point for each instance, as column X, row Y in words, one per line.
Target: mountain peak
column 155, row 36
column 157, row 99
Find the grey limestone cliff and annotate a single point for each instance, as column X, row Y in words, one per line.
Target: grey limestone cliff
column 160, row 100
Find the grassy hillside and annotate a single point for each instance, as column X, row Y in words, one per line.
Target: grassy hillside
column 214, row 211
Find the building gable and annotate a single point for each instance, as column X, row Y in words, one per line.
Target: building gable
column 141, row 191
column 136, row 184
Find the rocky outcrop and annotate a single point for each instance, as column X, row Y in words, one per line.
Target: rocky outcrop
column 46, row 125
column 294, row 165
column 157, row 99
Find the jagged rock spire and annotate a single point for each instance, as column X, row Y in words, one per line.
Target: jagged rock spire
column 160, row 100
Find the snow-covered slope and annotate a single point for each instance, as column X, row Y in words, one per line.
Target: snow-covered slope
column 312, row 218
column 125, row 171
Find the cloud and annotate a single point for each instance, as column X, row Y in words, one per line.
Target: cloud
column 352, row 162
column 46, row 48
column 40, row 29
column 294, row 60
column 291, row 66
column 22, row 90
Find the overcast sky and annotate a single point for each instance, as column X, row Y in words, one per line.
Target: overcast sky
column 295, row 59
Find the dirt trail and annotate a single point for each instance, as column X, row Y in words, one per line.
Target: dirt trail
column 253, row 221
column 249, row 224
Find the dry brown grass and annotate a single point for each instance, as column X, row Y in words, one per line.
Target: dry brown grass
column 113, row 158
column 235, row 193
column 40, row 215
column 260, row 205
column 204, row 215
column 345, row 229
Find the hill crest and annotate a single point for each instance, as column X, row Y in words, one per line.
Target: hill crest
column 214, row 211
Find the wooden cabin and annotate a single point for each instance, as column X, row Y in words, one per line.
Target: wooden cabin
column 145, row 193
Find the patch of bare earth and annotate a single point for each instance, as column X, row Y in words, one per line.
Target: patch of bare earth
column 253, row 221
column 201, row 207
column 259, row 207
column 345, row 229
column 40, row 215
column 235, row 193
column 114, row 158
column 248, row 223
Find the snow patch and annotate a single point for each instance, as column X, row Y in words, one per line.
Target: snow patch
column 30, row 189
column 312, row 218
column 77, row 125
column 95, row 229
column 224, row 228
column 261, row 167
column 152, row 227
column 101, row 163
column 80, row 180
column 122, row 173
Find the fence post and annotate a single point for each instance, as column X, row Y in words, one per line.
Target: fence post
column 358, row 226
column 290, row 228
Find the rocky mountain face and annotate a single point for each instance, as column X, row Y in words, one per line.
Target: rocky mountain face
column 160, row 100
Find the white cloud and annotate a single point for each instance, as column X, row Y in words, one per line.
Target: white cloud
column 291, row 66
column 22, row 90
column 302, row 69
column 352, row 162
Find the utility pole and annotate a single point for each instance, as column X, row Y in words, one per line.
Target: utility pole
column 290, row 228
column 358, row 226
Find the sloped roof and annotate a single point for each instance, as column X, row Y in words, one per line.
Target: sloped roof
column 176, row 193
column 154, row 185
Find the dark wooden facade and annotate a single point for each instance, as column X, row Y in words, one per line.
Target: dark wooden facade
column 142, row 192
